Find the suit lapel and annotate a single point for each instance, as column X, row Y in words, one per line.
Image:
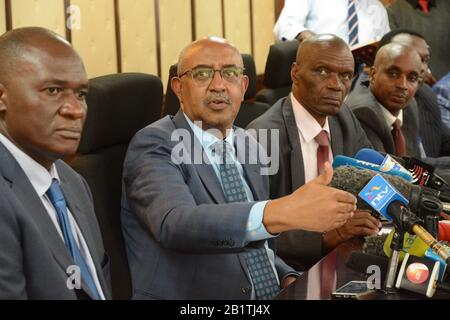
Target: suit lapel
column 204, row 170
column 297, row 167
column 336, row 136
column 32, row 204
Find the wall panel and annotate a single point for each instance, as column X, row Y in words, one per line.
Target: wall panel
column 42, row 13
column 2, row 17
column 263, row 22
column 175, row 32
column 237, row 24
column 208, row 18
column 138, row 36
column 96, row 40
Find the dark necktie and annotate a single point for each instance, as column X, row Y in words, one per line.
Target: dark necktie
column 352, row 21
column 56, row 196
column 322, row 151
column 399, row 139
column 263, row 277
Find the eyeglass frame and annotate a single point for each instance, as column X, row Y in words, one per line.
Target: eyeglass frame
column 241, row 69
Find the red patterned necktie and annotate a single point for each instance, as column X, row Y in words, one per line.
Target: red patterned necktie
column 399, row 139
column 322, row 150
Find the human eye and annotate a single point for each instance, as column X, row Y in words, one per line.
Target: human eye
column 53, row 91
column 82, row 94
column 202, row 73
column 230, row 73
column 413, row 78
column 322, row 71
column 347, row 76
column 394, row 74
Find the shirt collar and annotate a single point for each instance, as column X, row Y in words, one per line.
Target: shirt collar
column 307, row 125
column 39, row 177
column 390, row 118
column 207, row 139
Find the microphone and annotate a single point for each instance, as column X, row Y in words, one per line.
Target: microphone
column 386, row 163
column 423, row 201
column 384, row 198
column 422, row 173
column 347, row 161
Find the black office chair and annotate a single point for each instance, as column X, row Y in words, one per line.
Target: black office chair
column 277, row 75
column 250, row 109
column 118, row 106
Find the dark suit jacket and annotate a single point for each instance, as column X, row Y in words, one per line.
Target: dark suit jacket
column 435, row 135
column 299, row 248
column 33, row 257
column 183, row 240
column 366, row 108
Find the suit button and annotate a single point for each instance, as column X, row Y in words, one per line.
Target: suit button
column 245, row 290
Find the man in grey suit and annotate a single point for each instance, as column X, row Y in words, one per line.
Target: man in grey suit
column 385, row 104
column 193, row 212
column 321, row 79
column 50, row 246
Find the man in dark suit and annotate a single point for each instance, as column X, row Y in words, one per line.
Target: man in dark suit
column 434, row 135
column 321, row 79
column 50, row 247
column 194, row 217
column 387, row 99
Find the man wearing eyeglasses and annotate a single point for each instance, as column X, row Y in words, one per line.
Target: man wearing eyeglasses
column 195, row 213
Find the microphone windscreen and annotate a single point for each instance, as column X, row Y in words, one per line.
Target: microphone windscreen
column 411, row 244
column 360, row 262
column 353, row 180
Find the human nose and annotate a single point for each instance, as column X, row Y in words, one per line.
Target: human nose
column 334, row 82
column 217, row 83
column 401, row 82
column 73, row 107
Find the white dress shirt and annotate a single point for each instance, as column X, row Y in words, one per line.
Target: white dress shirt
column 330, row 16
column 390, row 118
column 308, row 129
column 41, row 179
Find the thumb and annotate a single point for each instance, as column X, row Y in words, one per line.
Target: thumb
column 326, row 176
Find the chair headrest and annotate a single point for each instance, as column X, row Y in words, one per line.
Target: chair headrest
column 118, row 106
column 250, row 72
column 278, row 66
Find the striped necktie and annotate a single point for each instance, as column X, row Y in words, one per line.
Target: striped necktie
column 352, row 20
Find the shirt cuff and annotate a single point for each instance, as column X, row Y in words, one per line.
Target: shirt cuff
column 256, row 230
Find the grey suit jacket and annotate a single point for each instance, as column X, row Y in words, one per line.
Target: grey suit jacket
column 366, row 108
column 33, row 257
column 301, row 249
column 183, row 240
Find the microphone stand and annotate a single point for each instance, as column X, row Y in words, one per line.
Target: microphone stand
column 396, row 247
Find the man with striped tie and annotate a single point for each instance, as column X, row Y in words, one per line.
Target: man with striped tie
column 355, row 21
column 50, row 246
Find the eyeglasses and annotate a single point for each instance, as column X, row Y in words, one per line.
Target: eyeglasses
column 203, row 75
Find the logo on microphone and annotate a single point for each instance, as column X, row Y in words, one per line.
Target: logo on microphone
column 379, row 193
column 417, row 273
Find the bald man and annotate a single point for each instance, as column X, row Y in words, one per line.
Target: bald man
column 51, row 246
column 385, row 104
column 321, row 79
column 194, row 210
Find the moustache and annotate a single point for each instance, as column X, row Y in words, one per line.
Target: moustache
column 217, row 97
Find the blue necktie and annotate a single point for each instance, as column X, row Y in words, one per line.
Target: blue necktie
column 352, row 20
column 56, row 196
column 263, row 277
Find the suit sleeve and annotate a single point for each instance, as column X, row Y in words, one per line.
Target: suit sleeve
column 12, row 277
column 157, row 191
